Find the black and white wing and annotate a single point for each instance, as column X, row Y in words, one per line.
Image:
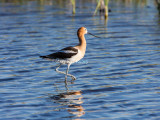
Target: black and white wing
column 65, row 53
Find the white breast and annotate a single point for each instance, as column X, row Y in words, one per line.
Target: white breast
column 76, row 57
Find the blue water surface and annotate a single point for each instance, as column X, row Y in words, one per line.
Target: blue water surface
column 118, row 79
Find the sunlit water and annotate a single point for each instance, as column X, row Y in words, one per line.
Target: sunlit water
column 118, row 79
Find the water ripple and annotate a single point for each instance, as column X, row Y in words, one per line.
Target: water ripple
column 118, row 79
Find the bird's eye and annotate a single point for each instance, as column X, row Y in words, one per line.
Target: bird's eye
column 85, row 29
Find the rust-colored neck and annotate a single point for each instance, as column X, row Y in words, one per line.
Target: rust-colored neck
column 82, row 42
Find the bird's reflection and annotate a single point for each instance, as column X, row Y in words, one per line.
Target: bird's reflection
column 71, row 101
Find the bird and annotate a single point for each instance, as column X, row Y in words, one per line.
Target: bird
column 71, row 54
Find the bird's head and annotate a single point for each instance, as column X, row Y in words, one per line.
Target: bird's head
column 83, row 30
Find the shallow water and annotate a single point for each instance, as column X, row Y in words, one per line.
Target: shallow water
column 118, row 79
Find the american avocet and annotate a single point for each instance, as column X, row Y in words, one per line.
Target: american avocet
column 70, row 55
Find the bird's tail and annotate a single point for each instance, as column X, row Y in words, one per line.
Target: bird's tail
column 43, row 56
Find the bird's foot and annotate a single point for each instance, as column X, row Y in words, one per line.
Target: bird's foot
column 73, row 77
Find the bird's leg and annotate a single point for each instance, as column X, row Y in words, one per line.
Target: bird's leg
column 58, row 67
column 58, row 70
column 73, row 77
column 67, row 71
